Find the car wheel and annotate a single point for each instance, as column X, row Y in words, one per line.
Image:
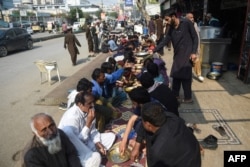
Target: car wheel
column 29, row 45
column 3, row 51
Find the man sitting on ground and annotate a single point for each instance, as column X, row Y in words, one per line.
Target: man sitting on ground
column 168, row 140
column 160, row 92
column 79, row 124
column 50, row 147
column 98, row 80
column 112, row 45
column 82, row 85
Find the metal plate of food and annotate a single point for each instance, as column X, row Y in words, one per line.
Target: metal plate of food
column 128, row 89
column 141, row 54
column 114, row 155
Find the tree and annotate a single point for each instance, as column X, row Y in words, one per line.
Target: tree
column 72, row 14
column 113, row 14
column 31, row 14
column 16, row 13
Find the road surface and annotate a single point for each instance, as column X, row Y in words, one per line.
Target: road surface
column 21, row 89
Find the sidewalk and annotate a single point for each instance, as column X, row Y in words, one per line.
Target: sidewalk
column 224, row 102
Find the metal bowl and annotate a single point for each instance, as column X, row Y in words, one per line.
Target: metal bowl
column 138, row 66
column 142, row 54
column 114, row 155
column 213, row 75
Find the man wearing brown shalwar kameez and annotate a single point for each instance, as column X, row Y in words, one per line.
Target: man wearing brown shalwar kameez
column 70, row 42
column 89, row 40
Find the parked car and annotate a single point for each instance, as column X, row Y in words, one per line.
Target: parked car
column 76, row 26
column 29, row 30
column 12, row 39
column 28, row 27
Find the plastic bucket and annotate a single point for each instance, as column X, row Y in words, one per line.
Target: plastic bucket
column 205, row 69
column 217, row 67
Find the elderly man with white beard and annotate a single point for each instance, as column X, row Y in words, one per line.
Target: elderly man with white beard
column 50, row 146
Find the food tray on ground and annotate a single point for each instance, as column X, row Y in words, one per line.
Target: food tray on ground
column 114, row 155
column 128, row 89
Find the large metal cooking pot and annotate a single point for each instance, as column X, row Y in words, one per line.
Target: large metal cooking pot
column 209, row 32
column 142, row 54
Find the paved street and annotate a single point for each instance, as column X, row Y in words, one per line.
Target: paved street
column 225, row 102
column 21, row 91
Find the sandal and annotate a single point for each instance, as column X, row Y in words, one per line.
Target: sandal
column 210, row 142
column 187, row 101
column 220, row 130
column 194, row 127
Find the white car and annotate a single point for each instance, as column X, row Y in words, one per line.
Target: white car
column 76, row 26
column 29, row 30
column 28, row 27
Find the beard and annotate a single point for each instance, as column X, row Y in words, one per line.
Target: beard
column 53, row 143
column 172, row 23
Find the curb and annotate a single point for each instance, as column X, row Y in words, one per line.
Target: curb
column 40, row 39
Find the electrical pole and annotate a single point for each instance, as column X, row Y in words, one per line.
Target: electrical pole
column 77, row 14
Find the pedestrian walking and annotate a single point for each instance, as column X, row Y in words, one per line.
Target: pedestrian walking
column 64, row 27
column 90, row 40
column 70, row 42
column 94, row 32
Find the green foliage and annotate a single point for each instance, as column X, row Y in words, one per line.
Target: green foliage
column 87, row 16
column 16, row 13
column 98, row 13
column 153, row 2
column 72, row 14
column 31, row 14
column 113, row 14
